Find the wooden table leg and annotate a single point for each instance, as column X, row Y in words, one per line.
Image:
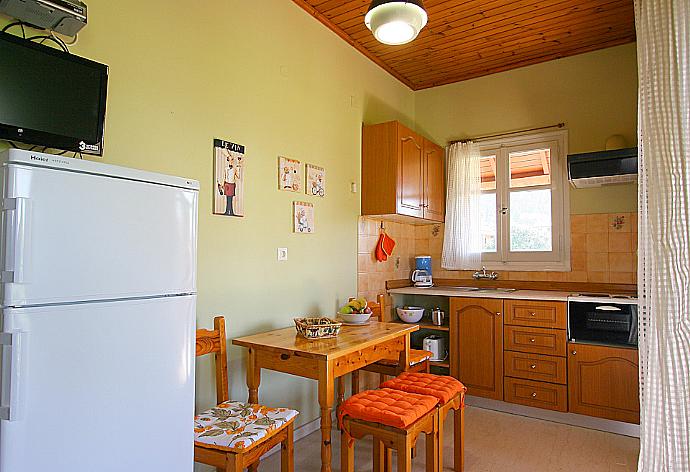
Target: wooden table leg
column 326, row 382
column 341, row 390
column 355, row 383
column 253, row 377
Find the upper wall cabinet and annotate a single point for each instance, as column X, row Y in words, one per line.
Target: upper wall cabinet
column 403, row 174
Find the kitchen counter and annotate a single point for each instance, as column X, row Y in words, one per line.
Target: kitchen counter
column 456, row 292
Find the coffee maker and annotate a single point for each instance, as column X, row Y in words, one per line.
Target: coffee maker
column 421, row 277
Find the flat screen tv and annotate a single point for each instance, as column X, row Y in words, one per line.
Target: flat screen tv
column 51, row 98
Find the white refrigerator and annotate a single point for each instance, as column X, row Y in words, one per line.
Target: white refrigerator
column 98, row 317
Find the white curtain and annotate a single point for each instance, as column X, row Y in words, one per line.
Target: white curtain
column 462, row 249
column 663, row 46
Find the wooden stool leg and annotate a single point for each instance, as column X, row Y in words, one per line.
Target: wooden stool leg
column 379, row 456
column 404, row 454
column 459, row 439
column 341, row 390
column 432, row 450
column 388, row 459
column 382, row 378
column 427, row 366
column 233, row 463
column 355, row 382
column 287, row 450
column 347, row 454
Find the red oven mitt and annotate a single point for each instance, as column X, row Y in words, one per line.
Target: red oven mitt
column 387, row 244
column 379, row 253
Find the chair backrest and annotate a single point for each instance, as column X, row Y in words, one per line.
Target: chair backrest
column 377, row 307
column 213, row 342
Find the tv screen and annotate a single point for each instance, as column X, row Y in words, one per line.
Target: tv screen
column 51, row 98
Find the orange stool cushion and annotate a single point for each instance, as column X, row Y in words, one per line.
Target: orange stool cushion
column 387, row 406
column 443, row 387
column 416, row 356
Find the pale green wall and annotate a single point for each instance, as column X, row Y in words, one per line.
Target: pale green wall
column 595, row 94
column 264, row 74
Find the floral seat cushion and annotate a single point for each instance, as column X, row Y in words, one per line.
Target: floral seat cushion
column 235, row 426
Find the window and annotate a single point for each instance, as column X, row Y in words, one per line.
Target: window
column 524, row 210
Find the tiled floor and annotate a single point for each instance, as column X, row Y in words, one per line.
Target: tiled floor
column 499, row 442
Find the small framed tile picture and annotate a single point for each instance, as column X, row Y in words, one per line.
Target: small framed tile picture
column 303, row 217
column 316, row 181
column 290, row 177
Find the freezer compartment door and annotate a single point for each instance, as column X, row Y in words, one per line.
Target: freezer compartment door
column 70, row 236
column 102, row 386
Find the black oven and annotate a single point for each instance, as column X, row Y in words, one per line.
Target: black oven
column 612, row 322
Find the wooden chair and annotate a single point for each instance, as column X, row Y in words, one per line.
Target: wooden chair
column 237, row 455
column 419, row 360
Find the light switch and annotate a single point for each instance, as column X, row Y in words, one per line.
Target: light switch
column 282, row 254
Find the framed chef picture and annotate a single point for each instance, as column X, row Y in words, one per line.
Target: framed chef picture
column 229, row 178
column 290, row 177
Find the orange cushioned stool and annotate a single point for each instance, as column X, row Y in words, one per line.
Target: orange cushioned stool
column 394, row 419
column 451, row 396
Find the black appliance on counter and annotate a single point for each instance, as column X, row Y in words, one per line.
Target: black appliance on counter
column 604, row 319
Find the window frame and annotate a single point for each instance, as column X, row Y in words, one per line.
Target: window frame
column 558, row 259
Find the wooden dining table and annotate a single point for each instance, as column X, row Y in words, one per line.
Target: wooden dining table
column 324, row 360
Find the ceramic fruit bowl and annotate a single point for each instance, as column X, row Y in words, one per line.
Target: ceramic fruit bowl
column 354, row 318
column 410, row 314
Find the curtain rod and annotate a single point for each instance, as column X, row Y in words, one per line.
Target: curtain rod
column 487, row 136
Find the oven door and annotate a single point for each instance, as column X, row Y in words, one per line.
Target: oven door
column 602, row 322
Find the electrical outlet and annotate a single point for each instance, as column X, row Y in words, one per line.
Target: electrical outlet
column 282, row 254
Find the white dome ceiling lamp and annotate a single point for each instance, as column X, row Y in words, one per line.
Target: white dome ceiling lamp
column 396, row 22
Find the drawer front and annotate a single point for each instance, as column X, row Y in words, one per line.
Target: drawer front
column 535, row 367
column 536, row 313
column 536, row 394
column 535, row 340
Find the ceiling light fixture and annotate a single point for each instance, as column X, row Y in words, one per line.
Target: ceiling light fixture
column 396, row 22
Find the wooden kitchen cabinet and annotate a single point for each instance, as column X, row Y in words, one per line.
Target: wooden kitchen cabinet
column 403, row 174
column 476, row 350
column 434, row 181
column 603, row 382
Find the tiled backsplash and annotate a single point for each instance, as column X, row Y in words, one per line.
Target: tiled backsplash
column 372, row 275
column 603, row 250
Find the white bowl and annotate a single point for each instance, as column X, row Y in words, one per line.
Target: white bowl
column 356, row 318
column 410, row 314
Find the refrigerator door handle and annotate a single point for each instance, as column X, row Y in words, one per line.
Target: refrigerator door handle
column 11, row 374
column 17, row 238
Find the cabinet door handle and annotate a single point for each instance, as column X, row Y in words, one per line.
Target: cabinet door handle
column 534, row 394
column 533, row 340
column 498, row 313
column 533, row 366
column 574, row 353
column 532, row 314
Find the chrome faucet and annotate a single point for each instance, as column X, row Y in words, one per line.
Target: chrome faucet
column 484, row 275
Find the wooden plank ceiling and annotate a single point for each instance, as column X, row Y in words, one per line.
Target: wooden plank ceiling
column 472, row 38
